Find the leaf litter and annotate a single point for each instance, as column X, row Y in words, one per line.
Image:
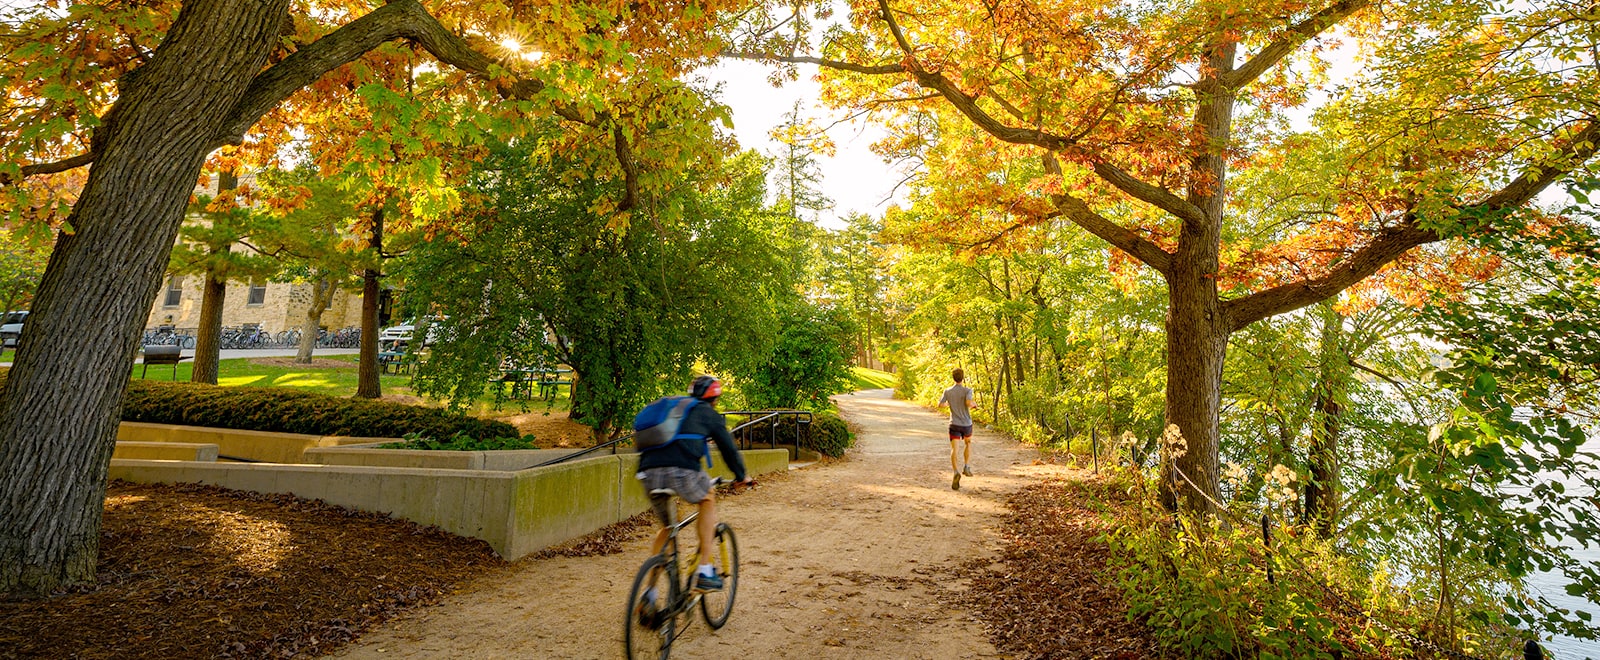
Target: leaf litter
column 192, row 571
column 1051, row 595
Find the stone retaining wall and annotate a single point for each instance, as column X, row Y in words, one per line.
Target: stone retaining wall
column 267, row 446
column 516, row 512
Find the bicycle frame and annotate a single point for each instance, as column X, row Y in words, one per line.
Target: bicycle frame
column 681, row 576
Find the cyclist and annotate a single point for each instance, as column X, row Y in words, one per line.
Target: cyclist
column 678, row 467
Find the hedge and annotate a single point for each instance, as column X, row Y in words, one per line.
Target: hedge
column 290, row 411
column 829, row 435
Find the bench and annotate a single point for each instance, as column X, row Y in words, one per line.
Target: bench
column 162, row 355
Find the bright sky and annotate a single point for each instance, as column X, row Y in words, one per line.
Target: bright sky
column 856, row 179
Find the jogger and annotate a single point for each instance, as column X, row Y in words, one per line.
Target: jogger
column 959, row 398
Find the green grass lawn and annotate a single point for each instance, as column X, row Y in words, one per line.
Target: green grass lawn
column 5, row 355
column 334, row 381
column 862, row 378
column 241, row 372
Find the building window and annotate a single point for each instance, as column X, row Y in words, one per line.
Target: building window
column 258, row 293
column 174, row 292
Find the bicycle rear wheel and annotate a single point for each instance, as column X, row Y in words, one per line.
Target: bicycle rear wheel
column 649, row 625
column 717, row 605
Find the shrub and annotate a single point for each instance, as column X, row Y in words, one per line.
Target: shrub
column 810, row 363
column 289, row 411
column 460, row 442
column 829, row 435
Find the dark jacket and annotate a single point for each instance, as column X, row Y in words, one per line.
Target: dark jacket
column 689, row 454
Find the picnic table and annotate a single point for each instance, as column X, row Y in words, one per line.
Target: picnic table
column 525, row 381
column 550, row 382
column 397, row 362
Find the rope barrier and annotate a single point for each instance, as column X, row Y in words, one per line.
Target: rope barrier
column 1340, row 601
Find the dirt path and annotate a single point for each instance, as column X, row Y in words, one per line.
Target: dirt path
column 853, row 560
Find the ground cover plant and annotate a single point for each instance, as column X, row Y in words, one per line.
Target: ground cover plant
column 459, row 442
column 190, row 571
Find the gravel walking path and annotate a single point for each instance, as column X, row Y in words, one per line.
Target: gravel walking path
column 857, row 559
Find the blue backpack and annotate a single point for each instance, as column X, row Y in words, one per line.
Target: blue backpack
column 657, row 425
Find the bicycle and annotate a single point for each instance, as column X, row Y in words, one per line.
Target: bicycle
column 650, row 626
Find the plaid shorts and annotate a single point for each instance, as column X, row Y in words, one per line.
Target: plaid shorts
column 691, row 485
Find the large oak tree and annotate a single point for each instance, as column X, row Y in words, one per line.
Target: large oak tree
column 141, row 94
column 1455, row 114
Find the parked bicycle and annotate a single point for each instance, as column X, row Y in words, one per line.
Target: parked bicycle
column 166, row 335
column 662, row 600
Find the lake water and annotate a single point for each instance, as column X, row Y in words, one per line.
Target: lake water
column 1553, row 586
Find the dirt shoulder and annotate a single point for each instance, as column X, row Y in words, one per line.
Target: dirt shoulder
column 863, row 558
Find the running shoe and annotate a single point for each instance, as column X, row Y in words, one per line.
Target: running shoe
column 955, row 484
column 647, row 612
column 966, row 470
column 703, row 582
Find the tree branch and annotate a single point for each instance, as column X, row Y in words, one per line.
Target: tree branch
column 1297, row 36
column 1388, row 246
column 869, row 69
column 992, row 240
column 401, row 19
column 630, row 173
column 50, row 168
column 1395, row 241
column 1155, row 195
column 1124, row 239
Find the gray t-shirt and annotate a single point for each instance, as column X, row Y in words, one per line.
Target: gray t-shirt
column 957, row 396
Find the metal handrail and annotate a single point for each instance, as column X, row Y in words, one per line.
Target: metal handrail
column 612, row 444
column 802, row 418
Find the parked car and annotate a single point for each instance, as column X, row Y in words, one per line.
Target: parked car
column 401, row 334
column 11, row 328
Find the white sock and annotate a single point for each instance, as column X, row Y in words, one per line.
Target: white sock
column 707, row 570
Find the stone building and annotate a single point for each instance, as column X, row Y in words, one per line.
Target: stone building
column 274, row 306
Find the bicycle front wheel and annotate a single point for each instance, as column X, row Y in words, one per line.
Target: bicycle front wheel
column 649, row 623
column 717, row 605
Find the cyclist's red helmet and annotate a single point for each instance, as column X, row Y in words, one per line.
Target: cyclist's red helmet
column 705, row 388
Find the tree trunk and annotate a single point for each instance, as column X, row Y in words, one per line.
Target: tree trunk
column 321, row 294
column 208, row 338
column 1197, row 341
column 1327, row 414
column 1197, row 327
column 214, row 293
column 367, row 385
column 61, row 404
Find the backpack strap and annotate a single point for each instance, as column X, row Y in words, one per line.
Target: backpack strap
column 683, row 416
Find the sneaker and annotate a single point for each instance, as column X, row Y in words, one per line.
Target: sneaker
column 955, row 484
column 966, row 470
column 703, row 582
column 648, row 615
